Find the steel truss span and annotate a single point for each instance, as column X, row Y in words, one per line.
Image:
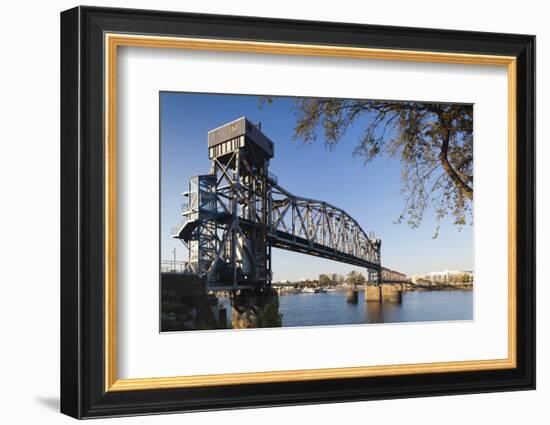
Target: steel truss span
column 318, row 228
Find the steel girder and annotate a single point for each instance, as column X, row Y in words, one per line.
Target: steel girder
column 392, row 276
column 319, row 228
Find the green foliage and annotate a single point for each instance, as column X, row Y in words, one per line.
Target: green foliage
column 355, row 278
column 269, row 316
column 325, row 280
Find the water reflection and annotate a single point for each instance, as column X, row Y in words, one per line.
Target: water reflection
column 332, row 308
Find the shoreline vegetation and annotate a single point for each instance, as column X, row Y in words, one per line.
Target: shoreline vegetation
column 331, row 282
column 315, row 288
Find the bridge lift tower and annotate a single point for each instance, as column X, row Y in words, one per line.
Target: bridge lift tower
column 228, row 210
column 238, row 211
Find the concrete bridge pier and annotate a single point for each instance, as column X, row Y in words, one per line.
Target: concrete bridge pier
column 385, row 292
column 244, row 318
column 222, row 317
column 352, row 296
column 373, row 293
column 255, row 310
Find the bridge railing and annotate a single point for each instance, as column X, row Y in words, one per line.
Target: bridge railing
column 171, row 266
column 272, row 177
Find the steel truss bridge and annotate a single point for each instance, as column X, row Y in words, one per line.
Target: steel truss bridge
column 236, row 213
column 318, row 228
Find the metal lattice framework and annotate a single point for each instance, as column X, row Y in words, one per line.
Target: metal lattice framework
column 227, row 212
column 238, row 212
column 392, row 276
column 241, row 192
column 201, row 222
column 319, row 228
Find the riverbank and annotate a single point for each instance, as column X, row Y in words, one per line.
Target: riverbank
column 344, row 288
column 443, row 287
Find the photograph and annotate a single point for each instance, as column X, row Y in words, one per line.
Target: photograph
column 304, row 211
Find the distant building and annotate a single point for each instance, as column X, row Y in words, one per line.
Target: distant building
column 447, row 277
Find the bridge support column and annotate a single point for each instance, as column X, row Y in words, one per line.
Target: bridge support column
column 222, row 317
column 244, row 319
column 256, row 311
column 373, row 293
column 392, row 292
column 352, row 296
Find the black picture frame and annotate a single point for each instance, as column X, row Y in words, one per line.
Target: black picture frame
column 83, row 392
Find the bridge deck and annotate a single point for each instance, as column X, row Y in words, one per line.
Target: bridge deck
column 283, row 240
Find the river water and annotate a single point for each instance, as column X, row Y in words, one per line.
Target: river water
column 331, row 308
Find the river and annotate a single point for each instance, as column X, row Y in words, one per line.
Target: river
column 331, row 308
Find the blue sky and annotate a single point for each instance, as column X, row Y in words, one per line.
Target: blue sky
column 369, row 193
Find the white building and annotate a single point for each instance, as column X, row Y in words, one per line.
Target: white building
column 446, row 277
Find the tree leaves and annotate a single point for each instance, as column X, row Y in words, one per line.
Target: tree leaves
column 433, row 142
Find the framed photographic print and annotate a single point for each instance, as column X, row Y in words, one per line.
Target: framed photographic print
column 261, row 212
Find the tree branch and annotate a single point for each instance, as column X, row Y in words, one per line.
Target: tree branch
column 464, row 188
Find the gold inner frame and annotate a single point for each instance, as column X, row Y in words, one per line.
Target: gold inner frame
column 113, row 41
